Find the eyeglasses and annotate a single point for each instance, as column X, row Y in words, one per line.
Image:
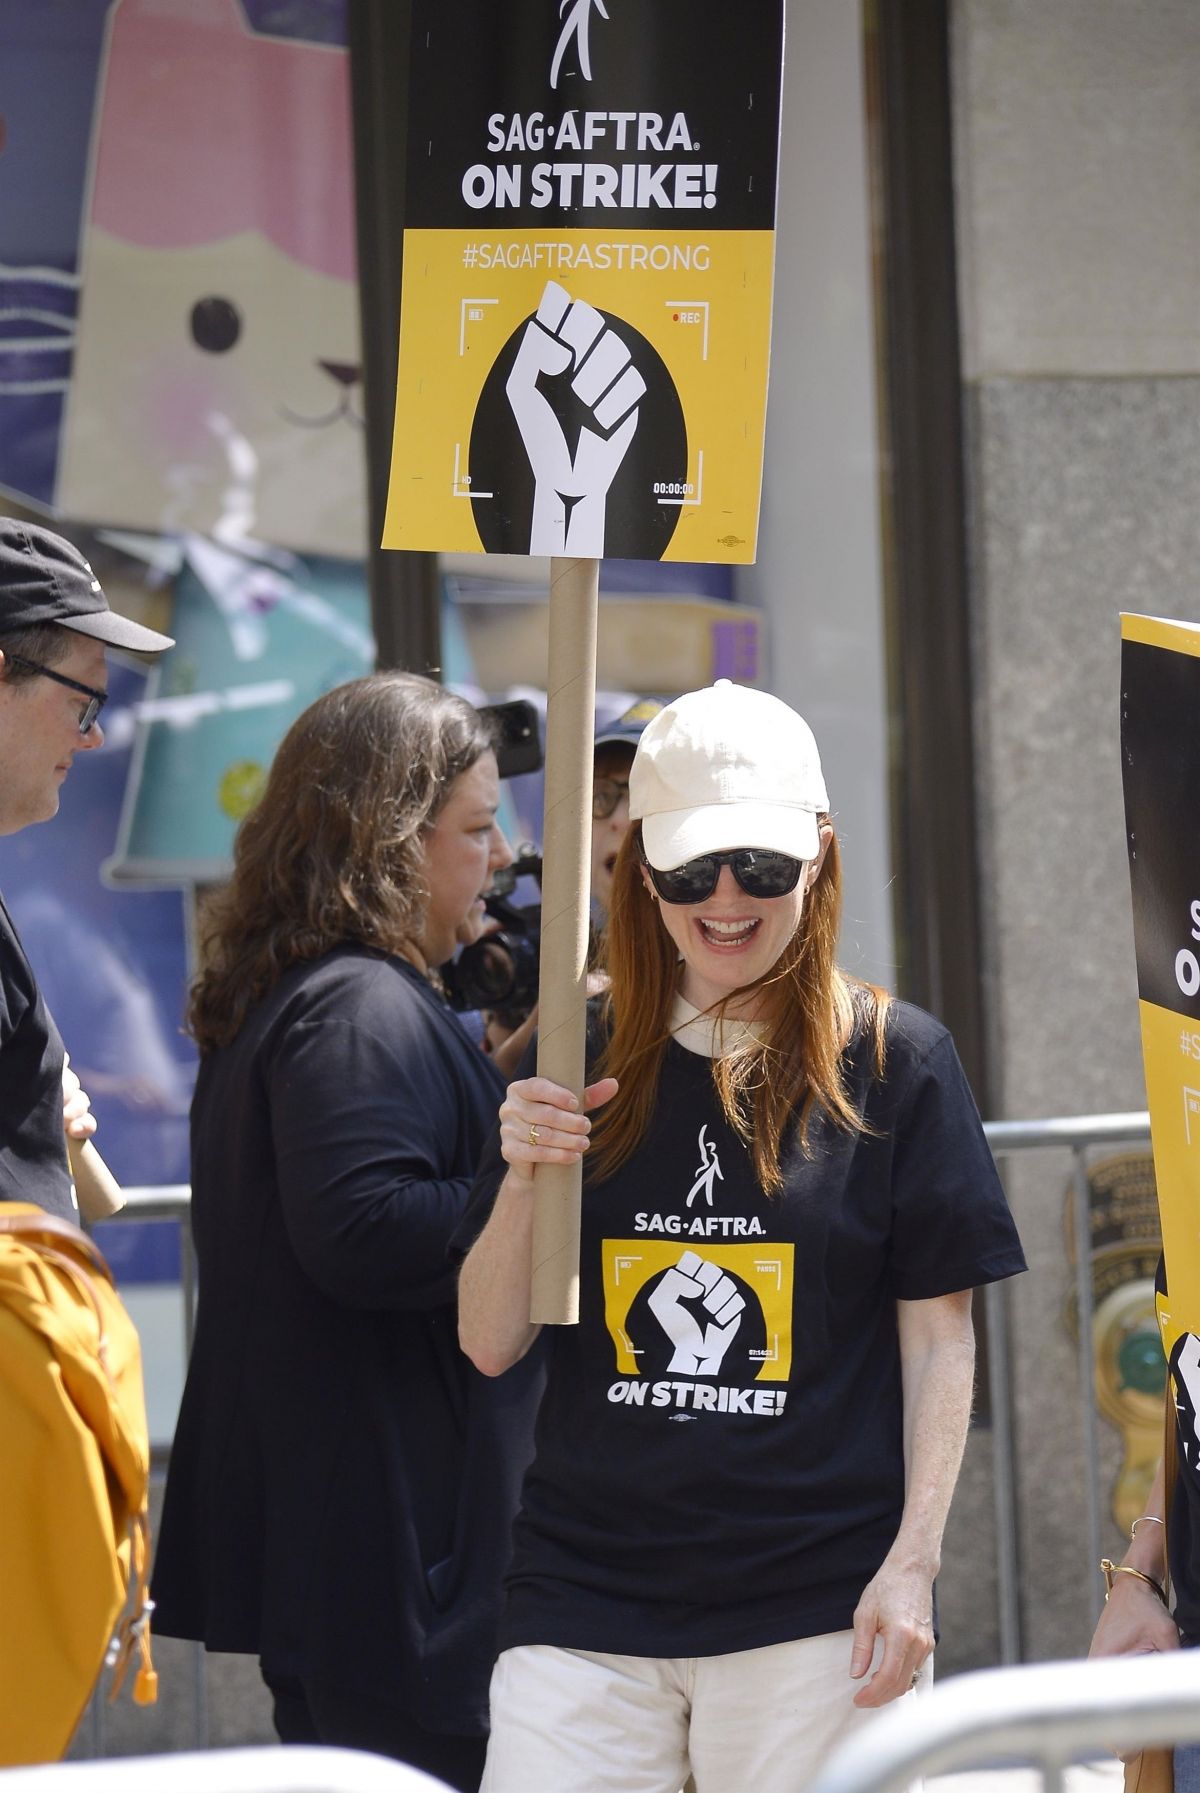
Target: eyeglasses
column 96, row 699
column 606, row 794
column 759, row 871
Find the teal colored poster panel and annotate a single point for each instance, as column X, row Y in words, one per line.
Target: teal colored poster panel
column 256, row 642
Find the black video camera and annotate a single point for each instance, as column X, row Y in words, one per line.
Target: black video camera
column 500, row 972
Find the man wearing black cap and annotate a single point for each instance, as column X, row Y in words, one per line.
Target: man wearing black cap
column 612, row 757
column 616, row 742
column 55, row 624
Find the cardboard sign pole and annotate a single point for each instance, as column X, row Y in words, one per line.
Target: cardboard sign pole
column 96, row 1189
column 562, row 988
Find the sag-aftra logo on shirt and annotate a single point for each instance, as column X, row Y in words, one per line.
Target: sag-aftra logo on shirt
column 701, row 1326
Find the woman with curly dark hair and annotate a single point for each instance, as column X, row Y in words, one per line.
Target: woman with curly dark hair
column 342, row 1480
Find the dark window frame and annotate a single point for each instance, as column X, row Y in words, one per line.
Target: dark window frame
column 405, row 587
column 926, row 593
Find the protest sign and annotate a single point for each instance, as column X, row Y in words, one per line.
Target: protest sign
column 588, row 253
column 584, row 337
column 1160, row 757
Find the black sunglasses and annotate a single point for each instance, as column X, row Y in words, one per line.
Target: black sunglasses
column 759, row 871
column 96, row 699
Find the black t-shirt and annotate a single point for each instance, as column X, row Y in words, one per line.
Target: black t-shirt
column 33, row 1150
column 719, row 1459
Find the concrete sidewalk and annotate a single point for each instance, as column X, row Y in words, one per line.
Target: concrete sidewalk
column 1092, row 1777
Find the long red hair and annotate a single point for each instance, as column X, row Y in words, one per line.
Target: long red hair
column 808, row 1012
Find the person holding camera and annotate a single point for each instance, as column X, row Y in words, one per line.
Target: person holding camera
column 616, row 742
column 725, row 1554
column 342, row 1480
column 498, row 974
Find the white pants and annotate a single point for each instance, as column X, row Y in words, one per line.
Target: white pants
column 756, row 1721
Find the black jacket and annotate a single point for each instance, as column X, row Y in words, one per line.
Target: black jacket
column 33, row 1148
column 342, row 1480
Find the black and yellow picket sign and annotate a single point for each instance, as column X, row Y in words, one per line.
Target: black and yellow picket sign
column 1160, row 755
column 588, row 256
column 585, row 326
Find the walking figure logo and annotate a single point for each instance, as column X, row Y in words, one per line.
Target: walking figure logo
column 708, row 1169
column 576, row 16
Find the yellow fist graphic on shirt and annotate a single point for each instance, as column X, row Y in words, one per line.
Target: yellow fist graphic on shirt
column 723, row 1312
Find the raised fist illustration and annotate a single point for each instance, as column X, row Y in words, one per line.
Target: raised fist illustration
column 569, row 339
column 700, row 1344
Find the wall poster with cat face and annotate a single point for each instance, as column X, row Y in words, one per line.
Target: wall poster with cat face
column 214, row 381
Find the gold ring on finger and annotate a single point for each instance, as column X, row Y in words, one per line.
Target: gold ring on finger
column 535, row 1137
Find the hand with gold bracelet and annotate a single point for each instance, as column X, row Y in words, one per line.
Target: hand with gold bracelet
column 1136, row 1619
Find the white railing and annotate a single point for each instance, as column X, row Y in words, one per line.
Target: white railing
column 1045, row 1716
column 291, row 1770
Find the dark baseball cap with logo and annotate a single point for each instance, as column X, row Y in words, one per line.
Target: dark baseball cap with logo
column 626, row 729
column 44, row 579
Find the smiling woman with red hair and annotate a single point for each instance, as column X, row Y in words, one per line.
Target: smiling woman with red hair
column 725, row 1554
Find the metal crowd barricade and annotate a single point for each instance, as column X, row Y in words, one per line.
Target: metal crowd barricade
column 1044, row 1716
column 170, row 1201
column 1076, row 1134
column 270, row 1770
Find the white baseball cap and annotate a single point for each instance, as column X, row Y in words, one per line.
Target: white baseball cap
column 722, row 768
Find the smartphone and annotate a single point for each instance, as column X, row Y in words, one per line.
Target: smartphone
column 518, row 743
